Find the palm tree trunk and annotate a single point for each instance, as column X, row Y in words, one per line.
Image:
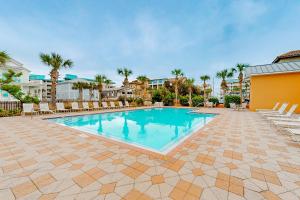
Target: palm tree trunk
column 204, row 92
column 241, row 93
column 176, row 93
column 91, row 93
column 54, row 76
column 80, row 94
column 190, row 97
column 99, row 91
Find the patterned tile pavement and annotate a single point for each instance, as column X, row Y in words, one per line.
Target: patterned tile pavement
column 238, row 155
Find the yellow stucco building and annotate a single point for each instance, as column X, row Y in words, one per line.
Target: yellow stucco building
column 276, row 82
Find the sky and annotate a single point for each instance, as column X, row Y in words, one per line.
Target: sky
column 150, row 37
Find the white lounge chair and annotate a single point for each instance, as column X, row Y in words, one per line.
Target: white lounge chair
column 209, row 104
column 266, row 110
column 232, row 106
column 286, row 119
column 96, row 105
column 244, row 105
column 158, row 104
column 28, row 108
column 44, row 108
column 112, row 104
column 104, row 105
column 287, row 124
column 86, row 106
column 60, row 107
column 127, row 104
column 287, row 115
column 295, row 133
column 121, row 105
column 75, row 106
column 280, row 111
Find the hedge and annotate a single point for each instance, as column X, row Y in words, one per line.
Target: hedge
column 197, row 101
column 231, row 99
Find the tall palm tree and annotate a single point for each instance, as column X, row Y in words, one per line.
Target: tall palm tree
column 56, row 62
column 240, row 69
column 204, row 78
column 80, row 86
column 190, row 82
column 126, row 73
column 91, row 87
column 4, row 57
column 178, row 74
column 144, row 80
column 224, row 74
column 100, row 80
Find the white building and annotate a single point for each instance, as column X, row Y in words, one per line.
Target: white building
column 32, row 88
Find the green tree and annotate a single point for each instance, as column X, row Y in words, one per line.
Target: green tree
column 240, row 70
column 204, row 78
column 91, row 86
column 4, row 57
column 178, row 74
column 80, row 86
column 190, row 82
column 56, row 63
column 144, row 81
column 100, row 80
column 223, row 75
column 125, row 72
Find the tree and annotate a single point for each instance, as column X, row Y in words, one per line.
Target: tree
column 80, row 86
column 178, row 74
column 91, row 87
column 204, row 78
column 100, row 79
column 9, row 76
column 144, row 81
column 224, row 74
column 4, row 57
column 190, row 82
column 56, row 63
column 240, row 69
column 125, row 73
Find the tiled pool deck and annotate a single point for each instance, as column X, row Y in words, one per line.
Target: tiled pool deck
column 236, row 156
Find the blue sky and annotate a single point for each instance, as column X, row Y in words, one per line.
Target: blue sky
column 151, row 37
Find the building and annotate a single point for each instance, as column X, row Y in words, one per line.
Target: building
column 271, row 83
column 290, row 56
column 28, row 87
column 234, row 87
column 157, row 83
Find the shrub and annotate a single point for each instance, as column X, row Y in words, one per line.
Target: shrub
column 156, row 96
column 214, row 100
column 30, row 99
column 139, row 101
column 9, row 113
column 168, row 99
column 231, row 99
column 121, row 98
column 184, row 100
column 197, row 101
column 130, row 99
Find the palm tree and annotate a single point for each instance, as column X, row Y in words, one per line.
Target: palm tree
column 204, row 78
column 4, row 57
column 126, row 73
column 100, row 79
column 178, row 74
column 224, row 74
column 190, row 82
column 80, row 86
column 56, row 62
column 144, row 80
column 91, row 87
column 240, row 69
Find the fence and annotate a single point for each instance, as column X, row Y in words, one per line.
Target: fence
column 10, row 105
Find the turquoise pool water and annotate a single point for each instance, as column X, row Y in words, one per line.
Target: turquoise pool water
column 156, row 128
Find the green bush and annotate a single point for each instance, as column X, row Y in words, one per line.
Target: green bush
column 30, row 99
column 168, row 99
column 9, row 113
column 197, row 101
column 130, row 99
column 139, row 101
column 156, row 96
column 231, row 99
column 184, row 100
column 214, row 100
column 121, row 98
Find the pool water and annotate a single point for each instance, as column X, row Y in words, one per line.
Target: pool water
column 156, row 129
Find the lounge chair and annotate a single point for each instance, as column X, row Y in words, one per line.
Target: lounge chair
column 104, row 105
column 209, row 104
column 86, row 106
column 112, row 104
column 295, row 133
column 158, row 104
column 244, row 105
column 28, row 108
column 60, row 107
column 121, row 104
column 96, row 105
column 287, row 115
column 280, row 111
column 266, row 110
column 127, row 104
column 232, row 106
column 44, row 108
column 286, row 119
column 75, row 106
column 287, row 124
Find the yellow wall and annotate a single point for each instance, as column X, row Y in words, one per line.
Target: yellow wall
column 266, row 90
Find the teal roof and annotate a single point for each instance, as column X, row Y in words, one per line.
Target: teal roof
column 36, row 77
column 70, row 76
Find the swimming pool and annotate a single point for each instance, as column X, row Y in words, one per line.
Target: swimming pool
column 157, row 129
